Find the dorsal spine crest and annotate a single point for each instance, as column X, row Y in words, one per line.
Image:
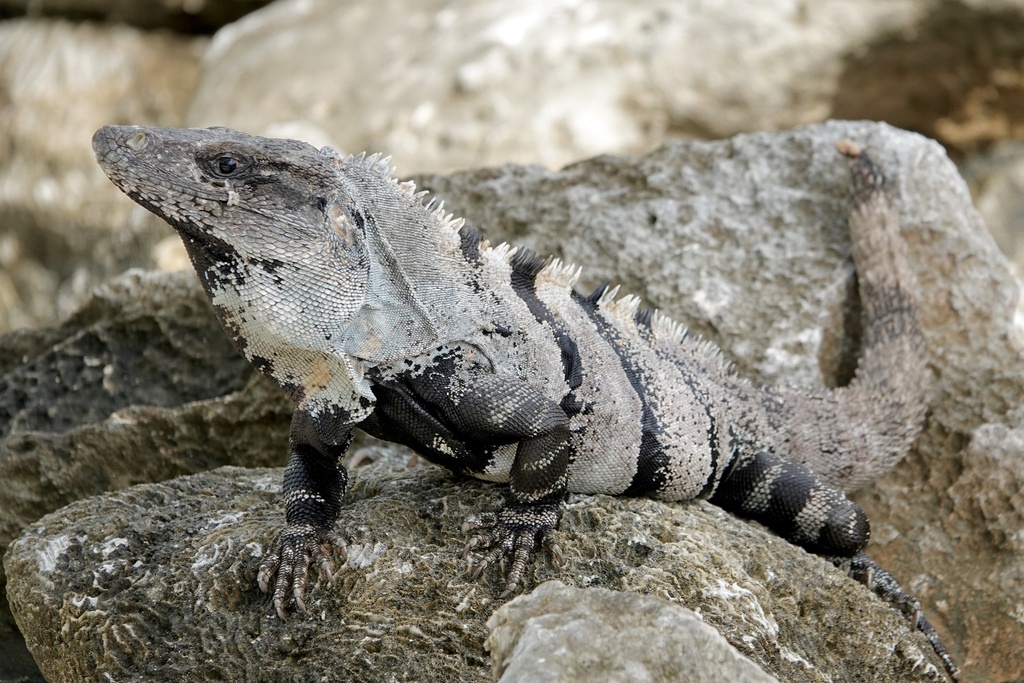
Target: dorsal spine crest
column 607, row 297
column 666, row 329
column 560, row 274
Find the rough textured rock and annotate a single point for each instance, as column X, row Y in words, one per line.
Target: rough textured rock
column 189, row 16
column 157, row 582
column 746, row 241
column 552, row 82
column 997, row 182
column 139, row 385
column 990, row 493
column 613, row 637
column 65, row 228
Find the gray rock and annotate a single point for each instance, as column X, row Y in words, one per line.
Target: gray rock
column 498, row 81
column 157, row 583
column 66, row 228
column 997, row 182
column 139, row 385
column 486, row 83
column 558, row 633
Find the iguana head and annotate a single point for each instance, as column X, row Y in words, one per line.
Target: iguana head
column 298, row 246
column 237, row 201
column 263, row 221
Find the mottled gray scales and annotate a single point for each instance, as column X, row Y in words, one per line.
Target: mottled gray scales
column 606, row 430
column 373, row 308
column 681, row 426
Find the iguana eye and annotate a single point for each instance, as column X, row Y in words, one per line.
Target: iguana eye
column 225, row 165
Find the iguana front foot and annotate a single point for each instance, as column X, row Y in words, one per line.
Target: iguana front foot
column 298, row 546
column 516, row 530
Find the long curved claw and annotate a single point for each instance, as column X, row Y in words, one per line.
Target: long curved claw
column 284, row 579
column 515, row 531
column 883, row 584
column 287, row 566
column 554, row 550
column 490, row 558
column 519, row 559
column 268, row 570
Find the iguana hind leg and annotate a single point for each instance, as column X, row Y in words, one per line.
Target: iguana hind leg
column 495, row 409
column 515, row 531
column 803, row 508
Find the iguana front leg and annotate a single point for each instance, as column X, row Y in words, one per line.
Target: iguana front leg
column 314, row 486
column 495, row 410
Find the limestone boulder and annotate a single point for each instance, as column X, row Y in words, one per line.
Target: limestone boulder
column 613, row 636
column 535, row 81
column 158, row 582
column 139, row 385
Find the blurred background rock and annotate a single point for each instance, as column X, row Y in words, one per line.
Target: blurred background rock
column 444, row 85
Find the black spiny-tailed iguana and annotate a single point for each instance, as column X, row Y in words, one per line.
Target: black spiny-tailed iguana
column 372, row 308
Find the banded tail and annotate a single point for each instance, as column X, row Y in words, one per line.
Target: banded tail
column 854, row 434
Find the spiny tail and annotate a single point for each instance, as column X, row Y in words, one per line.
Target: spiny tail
column 854, row 434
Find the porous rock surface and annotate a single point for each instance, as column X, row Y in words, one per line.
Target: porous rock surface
column 158, row 582
column 139, row 385
column 613, row 637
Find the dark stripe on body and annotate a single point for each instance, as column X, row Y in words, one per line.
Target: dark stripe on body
column 525, row 267
column 698, row 389
column 709, row 484
column 652, row 461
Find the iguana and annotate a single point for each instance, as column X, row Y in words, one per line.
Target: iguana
column 374, row 308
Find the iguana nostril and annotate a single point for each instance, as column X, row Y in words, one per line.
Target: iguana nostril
column 137, row 142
